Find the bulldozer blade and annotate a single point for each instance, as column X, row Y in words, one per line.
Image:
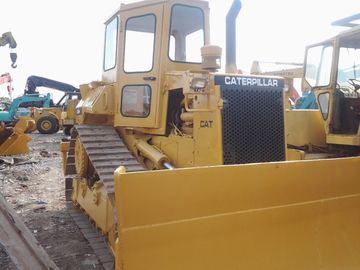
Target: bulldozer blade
column 282, row 215
column 13, row 142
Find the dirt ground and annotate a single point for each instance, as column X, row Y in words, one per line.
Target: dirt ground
column 34, row 186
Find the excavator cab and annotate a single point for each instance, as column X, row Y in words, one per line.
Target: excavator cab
column 332, row 70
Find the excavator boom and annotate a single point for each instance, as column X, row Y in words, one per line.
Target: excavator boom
column 35, row 81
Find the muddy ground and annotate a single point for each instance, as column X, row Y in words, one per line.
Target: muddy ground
column 35, row 188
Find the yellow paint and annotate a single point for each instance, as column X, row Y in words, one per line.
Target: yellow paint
column 97, row 205
column 25, row 124
column 97, row 104
column 208, row 138
column 64, row 149
column 14, row 141
column 304, row 127
column 285, row 215
column 343, row 139
column 293, row 215
column 70, row 110
column 179, row 149
column 337, row 104
column 293, row 154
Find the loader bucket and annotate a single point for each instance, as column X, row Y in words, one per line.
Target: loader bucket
column 25, row 124
column 284, row 215
column 13, row 142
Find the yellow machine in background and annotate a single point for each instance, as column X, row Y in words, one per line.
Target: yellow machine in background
column 332, row 71
column 201, row 180
column 13, row 140
column 68, row 117
column 289, row 72
column 56, row 116
column 305, row 135
column 47, row 119
column 50, row 120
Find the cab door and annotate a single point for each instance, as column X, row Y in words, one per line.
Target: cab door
column 139, row 82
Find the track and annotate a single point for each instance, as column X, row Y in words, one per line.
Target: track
column 106, row 152
column 24, row 250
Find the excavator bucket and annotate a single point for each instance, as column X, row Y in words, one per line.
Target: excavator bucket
column 13, row 141
column 283, row 215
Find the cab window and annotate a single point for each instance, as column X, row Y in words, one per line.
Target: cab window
column 110, row 44
column 318, row 65
column 186, row 34
column 349, row 60
column 139, row 44
column 135, row 101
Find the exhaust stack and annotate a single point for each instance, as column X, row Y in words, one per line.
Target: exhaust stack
column 231, row 37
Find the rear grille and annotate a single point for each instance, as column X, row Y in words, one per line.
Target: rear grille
column 253, row 124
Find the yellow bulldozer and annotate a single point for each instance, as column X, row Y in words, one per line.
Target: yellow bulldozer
column 180, row 166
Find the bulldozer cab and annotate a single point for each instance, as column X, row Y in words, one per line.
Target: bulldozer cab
column 142, row 42
column 332, row 69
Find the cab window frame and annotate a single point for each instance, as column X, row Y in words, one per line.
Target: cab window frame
column 170, row 29
column 122, row 100
column 320, row 68
column 105, row 68
column 153, row 47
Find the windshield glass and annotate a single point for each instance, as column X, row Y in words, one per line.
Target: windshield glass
column 349, row 60
column 140, row 31
column 110, row 44
column 186, row 34
column 318, row 65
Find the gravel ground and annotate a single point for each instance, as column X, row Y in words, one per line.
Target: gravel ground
column 34, row 186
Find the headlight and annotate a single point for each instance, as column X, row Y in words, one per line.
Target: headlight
column 78, row 111
column 198, row 83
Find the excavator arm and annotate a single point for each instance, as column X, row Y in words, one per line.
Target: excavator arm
column 5, row 39
column 35, row 81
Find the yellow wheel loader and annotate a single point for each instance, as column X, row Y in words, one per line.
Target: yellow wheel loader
column 182, row 167
column 57, row 116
